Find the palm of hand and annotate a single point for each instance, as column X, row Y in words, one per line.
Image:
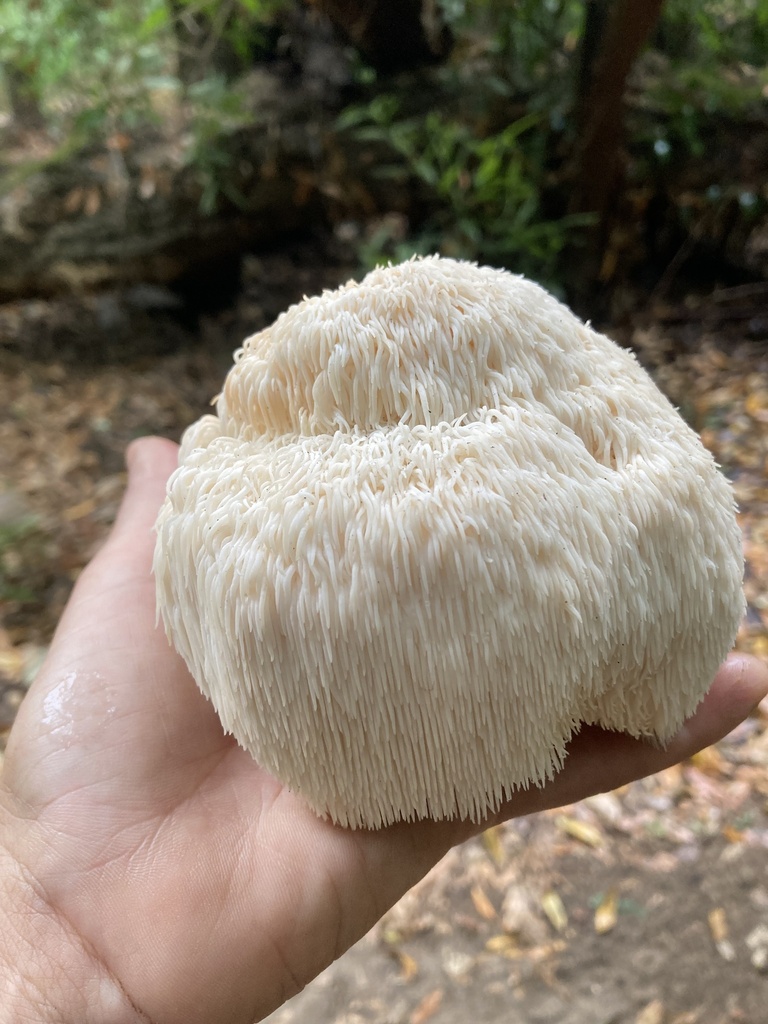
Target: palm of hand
column 196, row 880
column 200, row 864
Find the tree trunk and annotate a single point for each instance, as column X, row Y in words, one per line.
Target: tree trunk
column 615, row 33
column 595, row 17
column 392, row 35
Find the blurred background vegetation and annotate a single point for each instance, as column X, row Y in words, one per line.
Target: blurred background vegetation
column 607, row 148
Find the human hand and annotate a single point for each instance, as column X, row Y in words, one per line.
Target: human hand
column 150, row 869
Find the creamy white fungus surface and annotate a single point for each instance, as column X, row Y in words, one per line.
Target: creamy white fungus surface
column 436, row 523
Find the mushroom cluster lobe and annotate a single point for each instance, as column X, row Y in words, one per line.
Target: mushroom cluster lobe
column 436, row 523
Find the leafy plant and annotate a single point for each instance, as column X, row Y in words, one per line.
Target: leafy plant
column 527, row 40
column 94, row 69
column 239, row 23
column 713, row 66
column 484, row 192
column 724, row 31
column 86, row 63
column 216, row 110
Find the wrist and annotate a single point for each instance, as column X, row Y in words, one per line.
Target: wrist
column 46, row 972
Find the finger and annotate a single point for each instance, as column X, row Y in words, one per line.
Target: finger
column 108, row 590
column 123, row 565
column 599, row 760
column 150, row 462
column 371, row 870
column 127, row 553
column 124, row 684
column 112, row 604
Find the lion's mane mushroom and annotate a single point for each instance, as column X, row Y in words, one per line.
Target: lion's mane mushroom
column 436, row 523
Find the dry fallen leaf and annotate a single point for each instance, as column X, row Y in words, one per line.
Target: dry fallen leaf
column 408, row 966
column 503, row 944
column 521, row 916
column 718, row 927
column 73, row 200
column 688, row 1017
column 732, row 835
column 428, row 1007
column 541, row 953
column 581, row 830
column 11, row 658
column 756, row 405
column 78, row 511
column 491, row 840
column 759, row 647
column 607, row 912
column 553, row 907
column 710, row 761
column 653, row 1013
column 482, row 904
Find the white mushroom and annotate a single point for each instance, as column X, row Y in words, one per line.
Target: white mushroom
column 436, row 523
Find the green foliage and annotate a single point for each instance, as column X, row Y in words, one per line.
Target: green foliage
column 728, row 31
column 515, row 52
column 487, row 153
column 21, row 542
column 237, row 22
column 481, row 169
column 92, row 69
column 713, row 66
column 528, row 40
column 484, row 191
column 489, row 162
column 691, row 96
column 85, row 64
column 217, row 109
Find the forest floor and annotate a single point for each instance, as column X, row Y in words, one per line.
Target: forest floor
column 644, row 906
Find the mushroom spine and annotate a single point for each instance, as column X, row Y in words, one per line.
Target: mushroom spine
column 436, row 523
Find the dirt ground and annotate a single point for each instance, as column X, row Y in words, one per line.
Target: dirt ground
column 622, row 931
column 644, row 906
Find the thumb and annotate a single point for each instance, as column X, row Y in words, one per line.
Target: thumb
column 150, row 461
column 126, row 557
